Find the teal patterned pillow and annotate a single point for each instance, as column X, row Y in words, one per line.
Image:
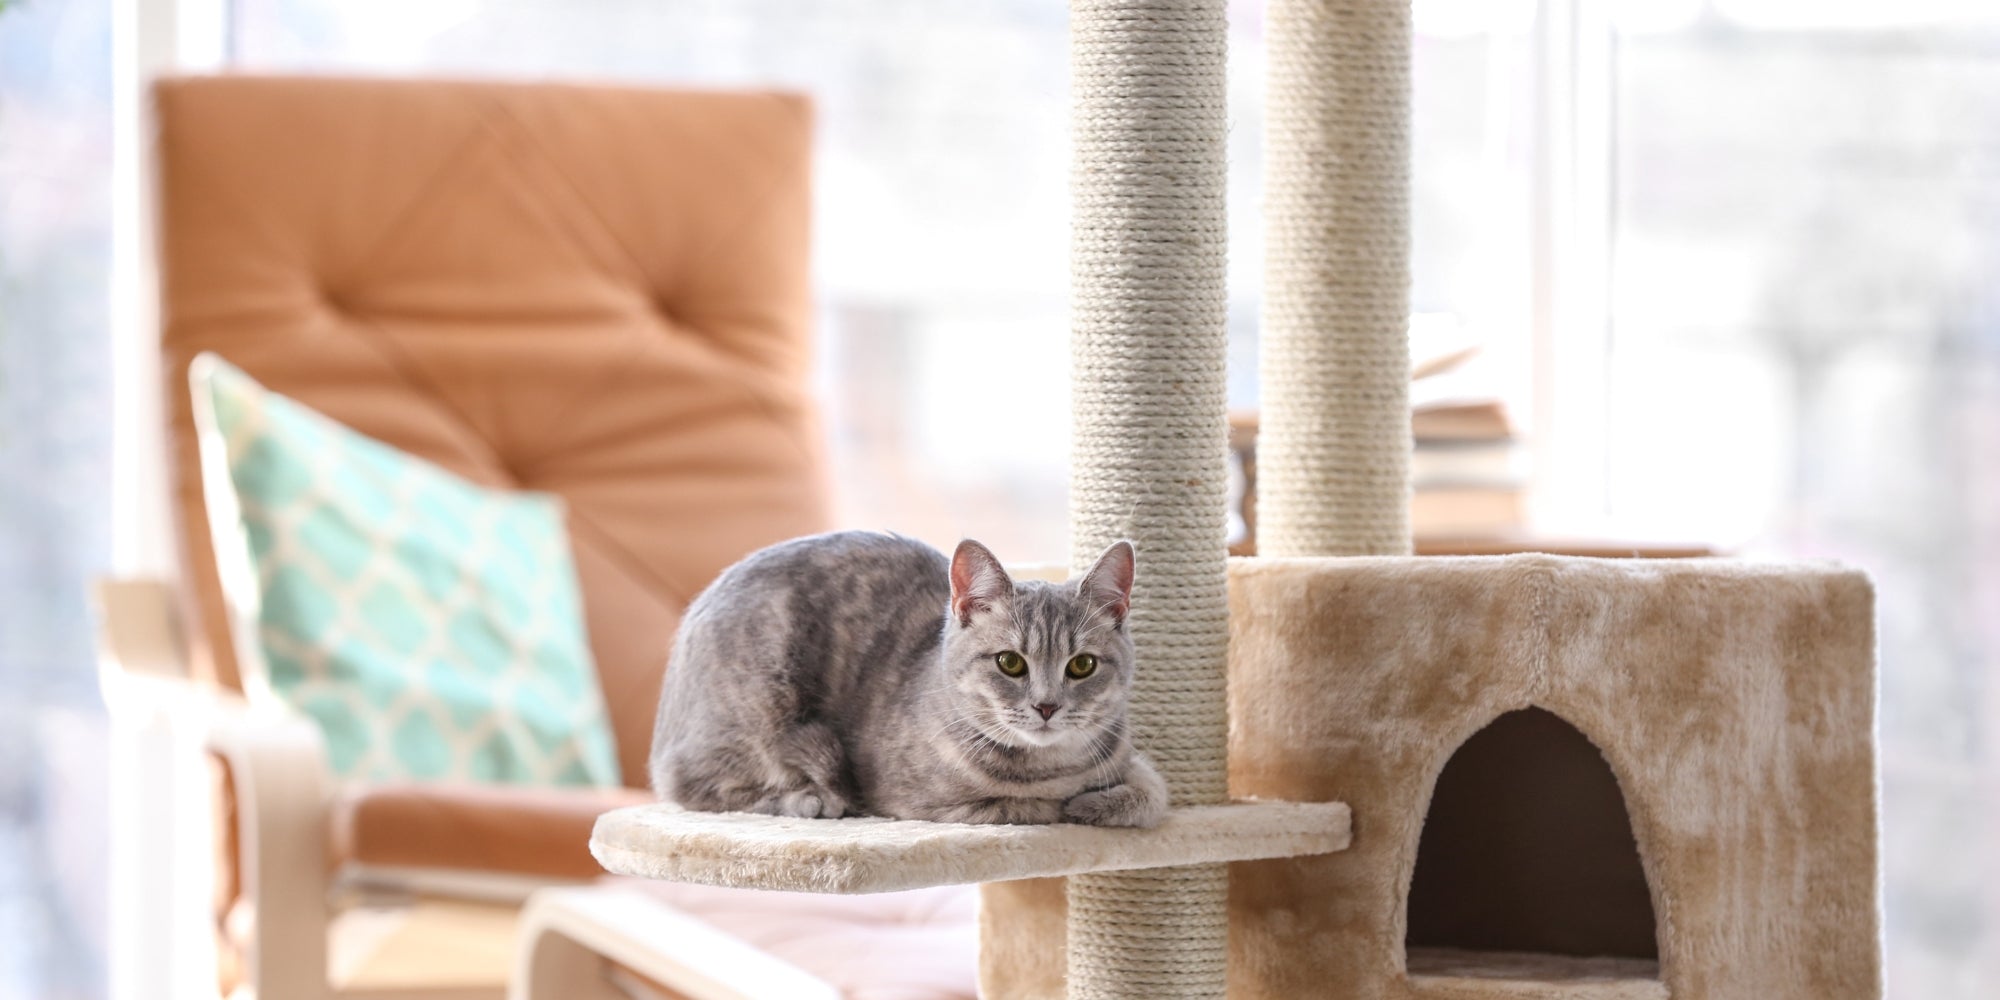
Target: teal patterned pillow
column 431, row 627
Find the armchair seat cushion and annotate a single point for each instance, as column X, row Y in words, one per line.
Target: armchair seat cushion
column 511, row 830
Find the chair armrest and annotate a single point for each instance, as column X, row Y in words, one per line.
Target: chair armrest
column 567, row 935
column 277, row 763
column 138, row 630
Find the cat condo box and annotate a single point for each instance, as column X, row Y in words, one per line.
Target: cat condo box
column 1571, row 778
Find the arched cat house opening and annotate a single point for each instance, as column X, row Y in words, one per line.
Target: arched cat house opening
column 1528, row 850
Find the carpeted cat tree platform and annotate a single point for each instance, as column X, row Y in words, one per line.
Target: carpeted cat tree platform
column 1563, row 779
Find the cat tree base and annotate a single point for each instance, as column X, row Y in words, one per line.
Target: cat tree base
column 1458, row 974
column 870, row 854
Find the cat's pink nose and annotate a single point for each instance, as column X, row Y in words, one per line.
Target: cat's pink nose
column 1047, row 709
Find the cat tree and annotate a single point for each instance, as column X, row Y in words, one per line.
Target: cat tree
column 1732, row 704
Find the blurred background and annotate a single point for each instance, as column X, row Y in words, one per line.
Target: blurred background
column 1728, row 271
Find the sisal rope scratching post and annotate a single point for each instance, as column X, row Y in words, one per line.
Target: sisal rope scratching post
column 1333, row 447
column 1148, row 459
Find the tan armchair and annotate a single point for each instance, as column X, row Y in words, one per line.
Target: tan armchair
column 596, row 292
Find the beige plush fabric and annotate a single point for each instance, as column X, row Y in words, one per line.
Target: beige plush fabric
column 1454, row 974
column 1023, row 929
column 1734, row 703
column 872, row 854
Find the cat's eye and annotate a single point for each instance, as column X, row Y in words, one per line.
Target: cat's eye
column 1081, row 665
column 1011, row 663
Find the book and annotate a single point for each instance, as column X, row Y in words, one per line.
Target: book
column 1462, row 420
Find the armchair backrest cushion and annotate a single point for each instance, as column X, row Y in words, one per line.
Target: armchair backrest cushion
column 596, row 292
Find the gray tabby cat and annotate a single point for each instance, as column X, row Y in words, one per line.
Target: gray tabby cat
column 858, row 672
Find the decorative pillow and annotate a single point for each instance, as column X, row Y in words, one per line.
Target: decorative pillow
column 431, row 627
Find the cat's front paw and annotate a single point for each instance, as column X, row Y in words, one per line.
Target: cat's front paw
column 810, row 802
column 1119, row 805
column 1140, row 800
column 813, row 803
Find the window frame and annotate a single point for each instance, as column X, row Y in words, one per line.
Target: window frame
column 1572, row 173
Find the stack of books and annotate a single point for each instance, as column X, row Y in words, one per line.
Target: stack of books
column 1469, row 469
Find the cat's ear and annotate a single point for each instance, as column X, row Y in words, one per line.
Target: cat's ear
column 1108, row 586
column 977, row 581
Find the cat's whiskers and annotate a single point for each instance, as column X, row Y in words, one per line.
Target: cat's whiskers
column 977, row 745
column 976, row 748
column 1102, row 761
column 962, row 717
column 1105, row 745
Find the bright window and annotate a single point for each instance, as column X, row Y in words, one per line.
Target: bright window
column 1804, row 356
column 1732, row 261
column 1736, row 264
